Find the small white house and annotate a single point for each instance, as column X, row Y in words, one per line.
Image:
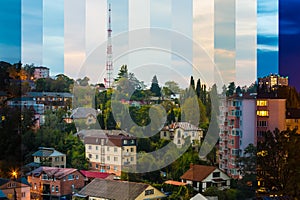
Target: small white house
column 201, row 177
column 180, row 131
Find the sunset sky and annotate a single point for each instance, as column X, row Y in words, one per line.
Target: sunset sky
column 236, row 39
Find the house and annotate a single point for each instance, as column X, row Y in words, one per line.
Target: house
column 179, row 131
column 84, row 117
column 201, row 177
column 54, row 183
column 119, row 190
column 49, row 157
column 111, row 153
column 17, row 189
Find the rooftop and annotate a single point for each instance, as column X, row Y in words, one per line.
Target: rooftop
column 52, row 171
column 110, row 189
column 198, row 172
column 82, row 112
column 47, row 152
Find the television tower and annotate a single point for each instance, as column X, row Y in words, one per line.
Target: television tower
column 109, row 58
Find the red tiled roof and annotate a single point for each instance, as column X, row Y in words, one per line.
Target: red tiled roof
column 177, row 183
column 91, row 174
column 198, row 172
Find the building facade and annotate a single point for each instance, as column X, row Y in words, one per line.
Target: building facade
column 237, row 131
column 41, row 72
column 49, row 157
column 54, row 183
column 270, row 115
column 179, row 131
column 111, row 153
column 15, row 189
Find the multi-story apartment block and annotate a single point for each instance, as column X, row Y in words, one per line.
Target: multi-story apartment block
column 270, row 115
column 237, row 130
column 272, row 81
column 29, row 103
column 179, row 131
column 54, row 183
column 52, row 100
column 41, row 72
column 111, row 153
column 243, row 120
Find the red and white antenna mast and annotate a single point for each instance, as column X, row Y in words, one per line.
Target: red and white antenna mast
column 109, row 58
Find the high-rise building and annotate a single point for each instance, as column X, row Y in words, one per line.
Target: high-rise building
column 237, row 130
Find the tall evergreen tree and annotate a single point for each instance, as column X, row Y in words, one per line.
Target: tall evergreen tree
column 198, row 88
column 155, row 89
column 192, row 82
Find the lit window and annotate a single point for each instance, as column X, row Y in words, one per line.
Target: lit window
column 262, row 113
column 261, row 103
column 56, row 188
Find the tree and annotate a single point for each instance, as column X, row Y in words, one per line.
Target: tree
column 278, row 162
column 230, row 89
column 155, row 89
column 198, row 88
column 123, row 73
column 173, row 86
column 192, row 82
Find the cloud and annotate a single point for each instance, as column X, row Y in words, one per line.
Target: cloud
column 224, row 53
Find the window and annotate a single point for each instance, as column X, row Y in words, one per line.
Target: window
column 96, row 166
column 178, row 142
column 115, row 149
column 232, row 142
column 23, row 194
column 108, row 158
column 64, row 179
column 115, row 168
column 262, row 113
column 44, row 177
column 261, row 103
column 90, row 155
column 149, row 192
column 34, row 186
column 125, row 142
column 62, row 159
column 108, row 167
column 131, row 149
column 96, row 156
column 235, row 152
column 216, row 174
column 56, row 188
column 52, row 188
column 90, row 147
column 262, row 123
column 96, row 147
column 165, row 134
column 77, row 177
column 131, row 159
column 115, row 159
column 107, row 148
column 71, row 177
column 178, row 133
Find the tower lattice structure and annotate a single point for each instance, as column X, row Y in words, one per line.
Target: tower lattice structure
column 109, row 57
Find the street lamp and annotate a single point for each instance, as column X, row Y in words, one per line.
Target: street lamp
column 14, row 174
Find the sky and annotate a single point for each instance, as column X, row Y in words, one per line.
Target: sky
column 217, row 41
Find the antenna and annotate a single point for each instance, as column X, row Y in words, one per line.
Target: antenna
column 109, row 58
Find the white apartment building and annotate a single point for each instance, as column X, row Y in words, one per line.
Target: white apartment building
column 41, row 72
column 111, row 153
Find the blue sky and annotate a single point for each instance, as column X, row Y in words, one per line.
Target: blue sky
column 63, row 35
